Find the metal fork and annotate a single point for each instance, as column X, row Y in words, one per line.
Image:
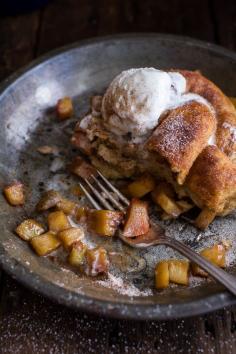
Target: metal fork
column 103, row 195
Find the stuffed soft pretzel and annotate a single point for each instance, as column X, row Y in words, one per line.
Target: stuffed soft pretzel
column 178, row 126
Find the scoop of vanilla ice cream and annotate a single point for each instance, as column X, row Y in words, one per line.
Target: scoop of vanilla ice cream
column 136, row 98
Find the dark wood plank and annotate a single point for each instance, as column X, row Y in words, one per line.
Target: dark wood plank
column 176, row 17
column 17, row 41
column 66, row 21
column 224, row 15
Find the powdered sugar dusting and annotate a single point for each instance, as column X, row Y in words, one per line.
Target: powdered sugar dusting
column 174, row 143
column 118, row 284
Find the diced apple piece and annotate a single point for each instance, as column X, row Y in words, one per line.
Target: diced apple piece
column 80, row 213
column 162, row 278
column 97, row 261
column 215, row 255
column 163, row 195
column 178, row 271
column 168, row 204
column 197, row 271
column 48, row 200
column 184, row 205
column 105, row 222
column 204, row 219
column 163, row 187
column 67, row 206
column 64, row 108
column 70, row 236
column 141, row 186
column 57, row 221
column 77, row 254
column 137, row 219
column 28, row 229
column 77, row 191
column 45, row 243
column 14, row 193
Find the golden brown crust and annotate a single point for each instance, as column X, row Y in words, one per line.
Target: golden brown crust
column 182, row 135
column 177, row 151
column 211, row 181
column 224, row 108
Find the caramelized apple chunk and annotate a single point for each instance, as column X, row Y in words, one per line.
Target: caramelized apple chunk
column 69, row 236
column 28, row 229
column 204, row 219
column 215, row 254
column 64, row 108
column 179, row 271
column 57, row 221
column 48, row 200
column 137, row 219
column 162, row 187
column 14, row 193
column 77, row 254
column 184, row 205
column 162, row 277
column 168, row 205
column 105, row 222
column 97, row 261
column 45, row 243
column 77, row 191
column 163, row 195
column 142, row 186
column 67, row 206
column 80, row 213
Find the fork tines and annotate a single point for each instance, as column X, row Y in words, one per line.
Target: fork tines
column 103, row 191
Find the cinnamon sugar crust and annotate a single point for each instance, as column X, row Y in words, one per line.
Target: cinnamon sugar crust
column 177, row 150
column 224, row 108
column 182, row 135
column 211, row 181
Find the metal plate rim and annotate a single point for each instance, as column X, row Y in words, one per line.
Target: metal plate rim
column 83, row 302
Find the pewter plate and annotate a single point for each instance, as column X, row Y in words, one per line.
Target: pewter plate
column 28, row 121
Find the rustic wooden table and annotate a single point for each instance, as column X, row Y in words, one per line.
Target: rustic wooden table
column 30, row 323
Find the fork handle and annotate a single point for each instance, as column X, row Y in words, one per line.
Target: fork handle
column 228, row 280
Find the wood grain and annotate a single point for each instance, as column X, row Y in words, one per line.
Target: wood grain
column 90, row 18
column 224, row 16
column 30, row 323
column 17, row 42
